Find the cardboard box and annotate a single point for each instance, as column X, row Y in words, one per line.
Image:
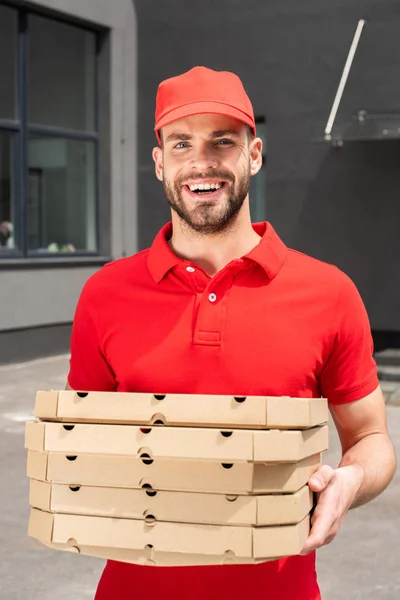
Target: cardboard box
column 178, row 475
column 149, row 557
column 181, row 538
column 179, row 409
column 176, row 507
column 273, row 445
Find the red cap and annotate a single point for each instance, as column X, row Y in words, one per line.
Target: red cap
column 200, row 91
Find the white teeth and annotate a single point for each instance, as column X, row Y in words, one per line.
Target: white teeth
column 204, row 186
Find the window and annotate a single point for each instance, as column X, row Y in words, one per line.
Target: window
column 258, row 185
column 48, row 136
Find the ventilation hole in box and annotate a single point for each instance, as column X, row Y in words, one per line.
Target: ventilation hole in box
column 231, row 498
column 151, row 493
column 227, row 465
column 158, row 419
column 229, row 557
column 145, row 430
column 150, row 520
column 71, row 458
column 147, row 486
column 159, row 396
column 226, row 434
column 82, row 394
column 68, row 427
column 149, row 547
column 146, row 459
column 240, row 399
column 74, row 488
column 72, row 543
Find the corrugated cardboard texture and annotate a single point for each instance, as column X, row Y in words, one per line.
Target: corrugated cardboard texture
column 177, row 442
column 164, row 474
column 179, row 409
column 177, row 507
column 246, row 542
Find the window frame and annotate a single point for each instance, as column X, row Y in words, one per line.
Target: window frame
column 20, row 130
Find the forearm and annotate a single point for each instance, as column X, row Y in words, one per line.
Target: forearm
column 374, row 458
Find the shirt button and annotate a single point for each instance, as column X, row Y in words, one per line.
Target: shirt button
column 212, row 297
column 190, row 269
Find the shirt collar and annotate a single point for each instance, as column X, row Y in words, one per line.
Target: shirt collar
column 270, row 252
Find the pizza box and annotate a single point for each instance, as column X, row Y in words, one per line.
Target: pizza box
column 149, row 557
column 273, row 445
column 176, row 507
column 179, row 409
column 231, row 541
column 170, row 474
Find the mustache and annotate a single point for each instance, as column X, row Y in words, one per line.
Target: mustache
column 214, row 174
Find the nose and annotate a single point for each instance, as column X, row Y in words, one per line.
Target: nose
column 204, row 157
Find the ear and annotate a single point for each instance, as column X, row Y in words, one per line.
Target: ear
column 255, row 156
column 158, row 162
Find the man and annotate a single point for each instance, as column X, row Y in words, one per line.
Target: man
column 220, row 306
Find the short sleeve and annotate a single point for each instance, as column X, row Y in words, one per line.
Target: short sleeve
column 89, row 370
column 350, row 371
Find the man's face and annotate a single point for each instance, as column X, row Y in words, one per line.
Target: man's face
column 205, row 165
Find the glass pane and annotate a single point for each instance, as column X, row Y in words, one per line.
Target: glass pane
column 258, row 196
column 8, row 60
column 6, row 200
column 61, row 75
column 258, row 184
column 62, row 195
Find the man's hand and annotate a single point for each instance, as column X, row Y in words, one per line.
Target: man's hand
column 336, row 490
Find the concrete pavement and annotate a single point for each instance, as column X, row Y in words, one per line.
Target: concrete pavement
column 361, row 564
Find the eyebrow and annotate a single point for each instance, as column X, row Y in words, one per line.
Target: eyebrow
column 188, row 136
column 178, row 136
column 222, row 132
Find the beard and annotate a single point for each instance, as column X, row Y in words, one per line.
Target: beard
column 210, row 217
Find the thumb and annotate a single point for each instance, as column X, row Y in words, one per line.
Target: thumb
column 320, row 479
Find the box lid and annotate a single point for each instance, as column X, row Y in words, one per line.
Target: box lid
column 170, row 474
column 177, row 442
column 176, row 507
column 129, row 534
column 180, row 409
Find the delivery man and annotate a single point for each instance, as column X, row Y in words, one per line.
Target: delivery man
column 219, row 305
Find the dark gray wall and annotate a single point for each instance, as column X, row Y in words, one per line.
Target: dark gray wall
column 339, row 205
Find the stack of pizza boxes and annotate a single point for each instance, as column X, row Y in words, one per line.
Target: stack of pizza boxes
column 173, row 479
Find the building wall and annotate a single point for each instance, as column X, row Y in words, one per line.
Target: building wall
column 339, row 205
column 34, row 295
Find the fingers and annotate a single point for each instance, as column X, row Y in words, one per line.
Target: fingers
column 325, row 515
column 322, row 532
column 321, row 478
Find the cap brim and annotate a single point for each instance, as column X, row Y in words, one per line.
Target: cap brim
column 201, row 108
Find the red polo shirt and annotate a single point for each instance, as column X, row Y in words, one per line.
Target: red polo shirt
column 274, row 322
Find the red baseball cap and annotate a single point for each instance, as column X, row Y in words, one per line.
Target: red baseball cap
column 202, row 90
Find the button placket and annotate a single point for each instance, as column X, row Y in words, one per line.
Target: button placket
column 211, row 309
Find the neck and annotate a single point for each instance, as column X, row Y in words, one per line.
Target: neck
column 212, row 252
